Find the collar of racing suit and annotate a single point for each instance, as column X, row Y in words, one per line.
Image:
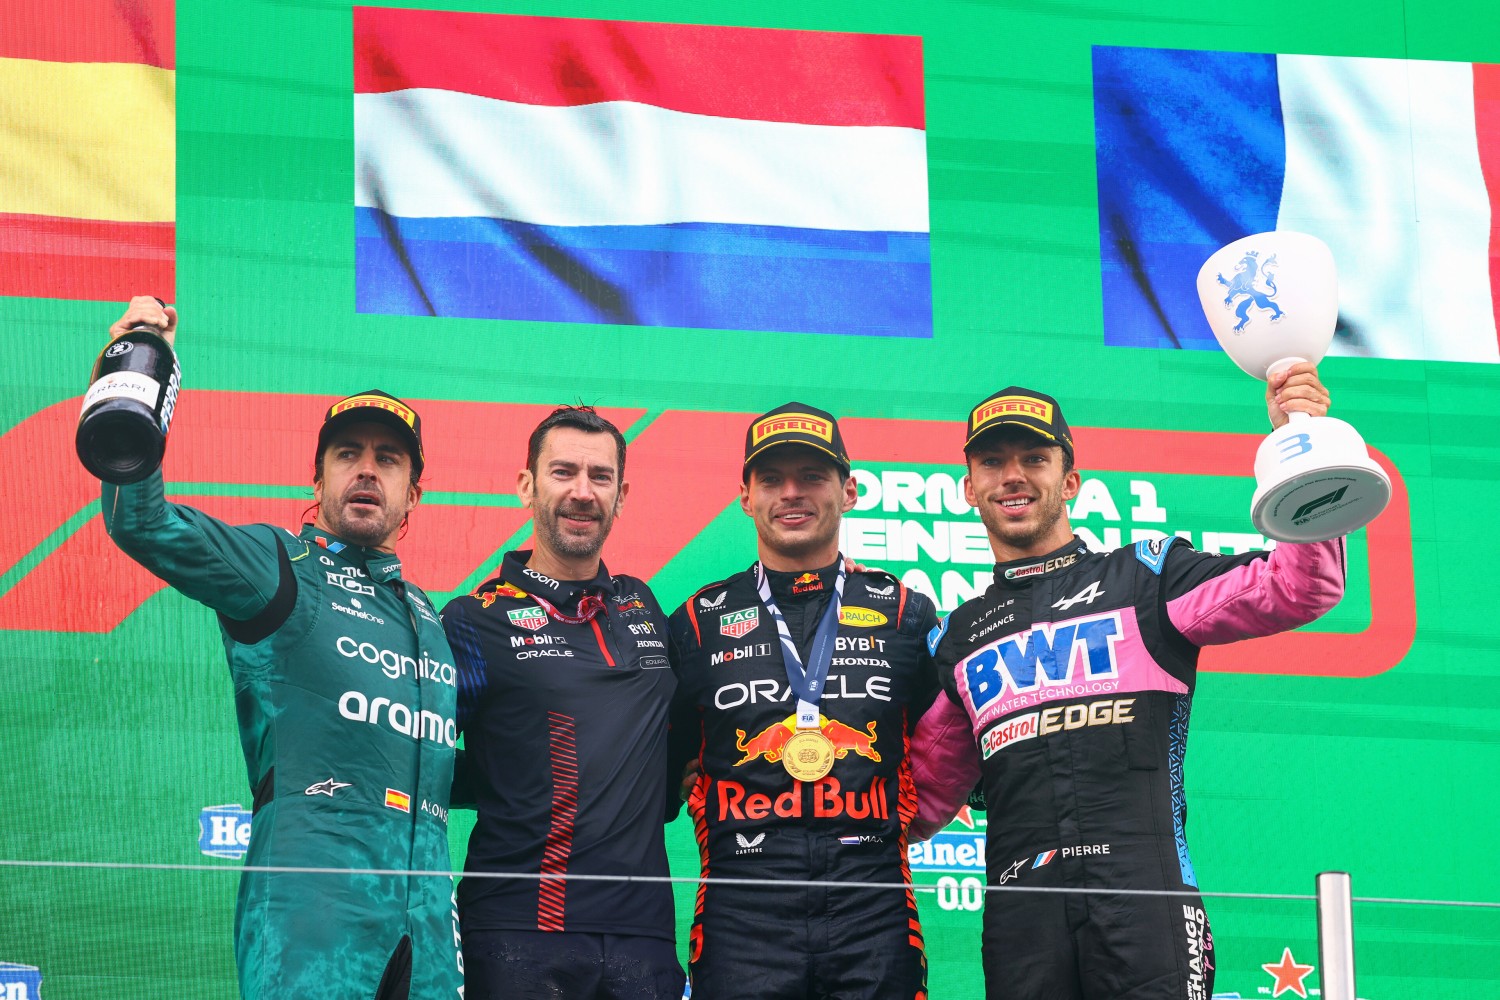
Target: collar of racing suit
column 793, row 587
column 382, row 567
column 801, row 600
column 1020, row 572
column 562, row 593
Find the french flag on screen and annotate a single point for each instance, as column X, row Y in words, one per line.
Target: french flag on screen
column 1394, row 163
column 572, row 170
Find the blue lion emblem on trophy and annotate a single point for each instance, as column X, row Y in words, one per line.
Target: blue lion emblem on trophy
column 1243, row 283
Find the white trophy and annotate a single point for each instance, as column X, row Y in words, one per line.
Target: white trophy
column 1272, row 301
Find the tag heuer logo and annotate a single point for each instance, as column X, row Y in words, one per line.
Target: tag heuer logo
column 532, row 618
column 739, row 623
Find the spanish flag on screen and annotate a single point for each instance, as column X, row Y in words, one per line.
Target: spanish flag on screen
column 87, row 148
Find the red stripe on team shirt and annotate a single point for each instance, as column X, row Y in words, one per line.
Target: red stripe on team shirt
column 1487, row 128
column 52, row 257
column 766, row 74
column 552, row 893
column 122, row 31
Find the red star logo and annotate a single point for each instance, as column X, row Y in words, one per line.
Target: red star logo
column 965, row 816
column 1288, row 975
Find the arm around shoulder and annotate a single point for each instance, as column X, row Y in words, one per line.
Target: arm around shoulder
column 944, row 766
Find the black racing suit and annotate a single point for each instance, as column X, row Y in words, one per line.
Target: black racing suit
column 734, row 711
column 1069, row 683
column 565, row 724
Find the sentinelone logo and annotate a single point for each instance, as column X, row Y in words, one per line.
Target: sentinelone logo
column 949, row 851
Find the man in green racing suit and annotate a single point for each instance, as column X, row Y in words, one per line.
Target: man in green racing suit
column 344, row 690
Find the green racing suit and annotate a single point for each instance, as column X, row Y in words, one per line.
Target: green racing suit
column 344, row 690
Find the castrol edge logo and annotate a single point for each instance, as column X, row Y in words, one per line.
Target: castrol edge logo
column 1024, row 405
column 804, row 422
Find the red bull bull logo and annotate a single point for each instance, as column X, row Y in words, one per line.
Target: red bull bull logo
column 768, row 743
column 807, row 583
column 504, row 590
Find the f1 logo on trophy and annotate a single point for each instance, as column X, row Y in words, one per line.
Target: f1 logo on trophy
column 1272, row 300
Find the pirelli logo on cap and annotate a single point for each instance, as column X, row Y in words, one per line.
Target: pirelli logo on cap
column 1024, row 406
column 781, row 423
column 388, row 405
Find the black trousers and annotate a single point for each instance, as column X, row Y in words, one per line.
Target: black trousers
column 569, row 965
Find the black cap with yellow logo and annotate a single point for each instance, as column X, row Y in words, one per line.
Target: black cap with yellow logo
column 1017, row 407
column 796, row 423
column 382, row 408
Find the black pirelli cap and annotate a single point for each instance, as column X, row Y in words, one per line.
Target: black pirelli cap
column 382, row 408
column 1014, row 406
column 796, row 423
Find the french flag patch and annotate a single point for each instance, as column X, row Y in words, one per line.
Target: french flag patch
column 587, row 171
column 1044, row 858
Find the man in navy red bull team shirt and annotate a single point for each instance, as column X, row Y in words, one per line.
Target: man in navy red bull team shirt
column 564, row 680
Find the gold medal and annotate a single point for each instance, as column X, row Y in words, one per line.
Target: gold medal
column 807, row 755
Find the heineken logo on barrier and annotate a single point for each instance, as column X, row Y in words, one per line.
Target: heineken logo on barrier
column 531, row 618
column 738, row 623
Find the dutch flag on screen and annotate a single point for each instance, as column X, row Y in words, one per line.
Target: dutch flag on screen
column 1394, row 163
column 539, row 168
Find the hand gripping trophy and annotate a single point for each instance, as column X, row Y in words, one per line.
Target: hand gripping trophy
column 1272, row 301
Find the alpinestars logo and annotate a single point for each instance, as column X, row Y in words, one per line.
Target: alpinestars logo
column 326, row 787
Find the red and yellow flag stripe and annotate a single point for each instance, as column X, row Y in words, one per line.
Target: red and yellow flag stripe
column 88, row 158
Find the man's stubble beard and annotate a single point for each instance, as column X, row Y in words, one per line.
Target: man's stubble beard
column 360, row 531
column 808, row 546
column 1051, row 510
column 571, row 546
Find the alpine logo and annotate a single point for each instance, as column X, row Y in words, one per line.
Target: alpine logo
column 717, row 602
column 531, row 618
column 1084, row 596
column 739, row 623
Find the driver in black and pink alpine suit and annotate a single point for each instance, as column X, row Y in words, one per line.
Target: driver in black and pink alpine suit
column 1068, row 686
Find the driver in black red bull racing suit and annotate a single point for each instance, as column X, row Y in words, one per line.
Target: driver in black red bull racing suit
column 1068, row 685
column 798, row 685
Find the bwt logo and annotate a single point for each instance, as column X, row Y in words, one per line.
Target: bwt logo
column 224, row 831
column 1054, row 649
